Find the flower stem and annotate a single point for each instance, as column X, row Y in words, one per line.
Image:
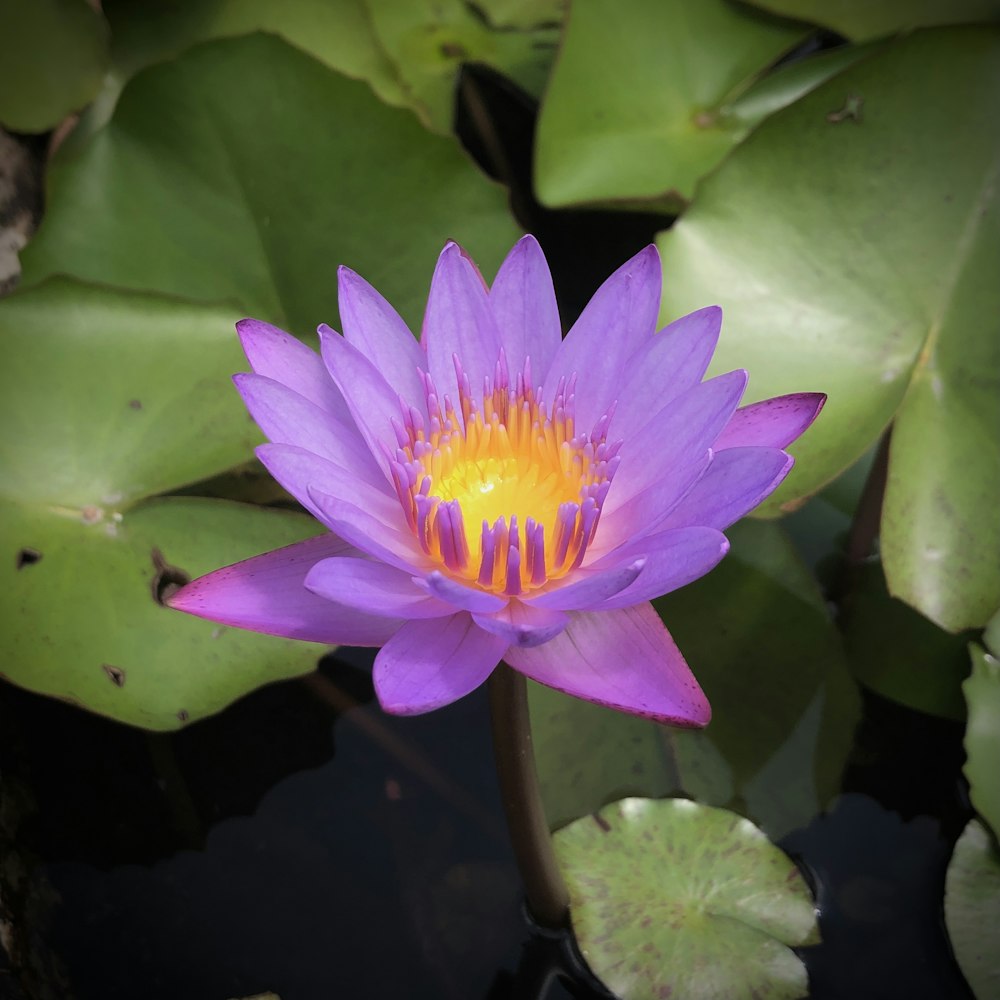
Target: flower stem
column 546, row 892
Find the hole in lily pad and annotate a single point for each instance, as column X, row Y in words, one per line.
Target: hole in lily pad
column 115, row 674
column 167, row 579
column 27, row 557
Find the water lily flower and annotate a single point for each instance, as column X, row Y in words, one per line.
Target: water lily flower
column 496, row 492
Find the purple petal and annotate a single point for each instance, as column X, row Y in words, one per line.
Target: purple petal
column 371, row 400
column 459, row 596
column 521, row 624
column 374, row 588
column 624, row 659
column 369, row 534
column 737, row 480
column 612, row 327
column 280, row 356
column 427, row 664
column 300, row 472
column 771, row 423
column 285, row 417
column 372, row 325
column 267, row 594
column 589, row 588
column 524, row 307
column 458, row 321
column 665, row 367
column 673, row 559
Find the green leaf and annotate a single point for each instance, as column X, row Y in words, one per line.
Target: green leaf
column 972, row 909
column 82, row 624
column 758, row 637
column 671, row 898
column 428, row 40
column 895, row 313
column 53, row 54
column 982, row 735
column 246, row 171
column 638, row 106
column 863, row 19
column 896, row 652
column 107, row 396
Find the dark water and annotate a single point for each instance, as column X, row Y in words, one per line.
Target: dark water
column 294, row 846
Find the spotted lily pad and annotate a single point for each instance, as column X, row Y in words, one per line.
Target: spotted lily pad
column 972, row 909
column 672, row 898
column 895, row 313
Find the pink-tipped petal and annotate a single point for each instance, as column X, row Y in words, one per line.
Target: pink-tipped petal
column 460, row 597
column 737, row 480
column 378, row 332
column 521, row 624
column 613, row 326
column 524, row 306
column 287, row 418
column 666, row 366
column 369, row 534
column 372, row 402
column 458, row 321
column 301, row 472
column 771, row 423
column 374, row 588
column 280, row 356
column 428, row 664
column 589, row 588
column 673, row 558
column 267, row 594
column 623, row 659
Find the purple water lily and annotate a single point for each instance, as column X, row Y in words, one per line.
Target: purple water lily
column 496, row 492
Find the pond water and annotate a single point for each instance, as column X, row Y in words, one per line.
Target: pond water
column 300, row 845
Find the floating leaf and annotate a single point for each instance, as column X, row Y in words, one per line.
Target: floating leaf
column 972, row 909
column 246, row 171
column 895, row 313
column 982, row 735
column 899, row 654
column 758, row 637
column 53, row 54
column 862, row 19
column 671, row 898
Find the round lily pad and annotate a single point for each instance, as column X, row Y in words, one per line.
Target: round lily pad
column 672, row 898
column 972, row 909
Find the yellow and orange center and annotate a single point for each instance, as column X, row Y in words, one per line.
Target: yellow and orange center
column 503, row 495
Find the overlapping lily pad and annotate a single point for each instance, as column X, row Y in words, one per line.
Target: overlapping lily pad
column 245, row 170
column 53, row 54
column 757, row 635
column 106, row 398
column 863, row 19
column 646, row 96
column 982, row 735
column 881, row 292
column 972, row 909
column 671, row 898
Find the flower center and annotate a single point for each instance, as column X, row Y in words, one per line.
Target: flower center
column 502, row 494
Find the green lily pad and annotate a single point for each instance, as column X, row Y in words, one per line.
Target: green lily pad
column 244, row 170
column 982, row 735
column 895, row 313
column 82, row 622
column 863, row 19
column 107, row 397
column 638, row 106
column 428, row 40
column 671, row 898
column 972, row 909
column 896, row 652
column 53, row 54
column 784, row 706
